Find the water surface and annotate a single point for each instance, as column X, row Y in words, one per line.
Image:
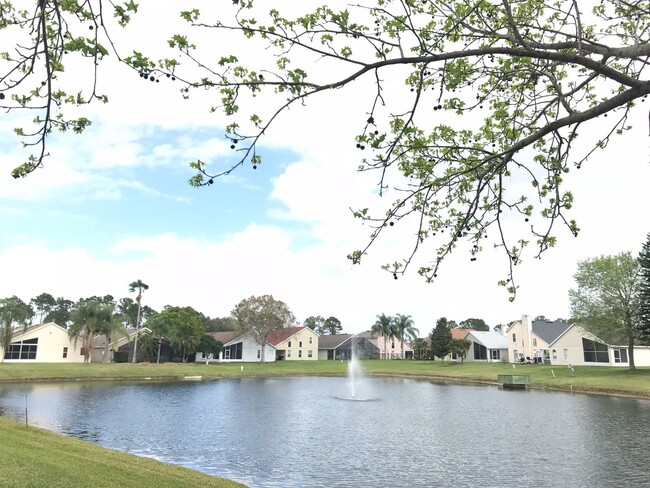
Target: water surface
column 297, row 432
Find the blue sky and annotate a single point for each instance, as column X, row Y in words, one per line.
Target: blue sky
column 113, row 206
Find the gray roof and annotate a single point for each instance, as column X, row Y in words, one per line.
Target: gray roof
column 332, row 341
column 226, row 336
column 549, row 331
column 490, row 339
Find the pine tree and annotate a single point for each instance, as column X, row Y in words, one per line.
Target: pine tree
column 644, row 289
column 441, row 339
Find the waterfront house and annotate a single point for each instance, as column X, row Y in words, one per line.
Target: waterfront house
column 342, row 346
column 295, row 344
column 486, row 346
column 44, row 343
column 238, row 347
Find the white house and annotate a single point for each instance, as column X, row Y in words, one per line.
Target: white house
column 44, row 343
column 238, row 347
column 488, row 346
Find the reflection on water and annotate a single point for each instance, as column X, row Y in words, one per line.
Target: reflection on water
column 296, row 432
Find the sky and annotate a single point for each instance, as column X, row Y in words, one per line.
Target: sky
column 113, row 206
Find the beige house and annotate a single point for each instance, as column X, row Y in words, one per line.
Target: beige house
column 563, row 344
column 295, row 344
column 44, row 343
column 530, row 340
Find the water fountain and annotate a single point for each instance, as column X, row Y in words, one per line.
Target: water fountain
column 356, row 383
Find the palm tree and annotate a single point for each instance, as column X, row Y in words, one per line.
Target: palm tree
column 404, row 330
column 141, row 287
column 12, row 310
column 89, row 320
column 383, row 327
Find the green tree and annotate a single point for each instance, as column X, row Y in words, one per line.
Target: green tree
column 13, row 311
column 405, row 330
column 91, row 318
column 210, row 347
column 493, row 94
column 460, row 347
column 259, row 316
column 476, row 324
column 140, row 287
column 161, row 325
column 606, row 300
column 219, row 324
column 331, row 326
column 315, row 323
column 421, row 348
column 182, row 328
column 60, row 313
column 43, row 305
column 644, row 289
column 383, row 327
column 441, row 339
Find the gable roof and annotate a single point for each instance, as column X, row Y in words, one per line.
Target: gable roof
column 18, row 332
column 459, row 334
column 227, row 336
column 549, row 331
column 333, row 341
column 280, row 335
column 490, row 339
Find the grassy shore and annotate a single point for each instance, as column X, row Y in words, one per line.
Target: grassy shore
column 596, row 379
column 34, row 457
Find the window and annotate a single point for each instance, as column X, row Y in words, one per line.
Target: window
column 566, row 354
column 514, row 338
column 595, row 352
column 310, row 353
column 393, row 345
column 534, row 342
column 554, row 355
column 289, row 344
column 311, row 339
column 22, row 349
column 65, row 352
column 299, row 353
column 620, row 355
column 495, row 354
column 83, row 351
column 288, row 353
column 300, row 344
column 480, row 351
column 233, row 351
column 258, row 354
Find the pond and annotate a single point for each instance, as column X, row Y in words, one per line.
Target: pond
column 299, row 432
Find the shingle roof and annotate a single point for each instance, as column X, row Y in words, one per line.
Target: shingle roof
column 490, row 339
column 332, row 341
column 226, row 336
column 277, row 336
column 459, row 334
column 549, row 331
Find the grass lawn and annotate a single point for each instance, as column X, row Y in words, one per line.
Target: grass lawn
column 35, row 457
column 597, row 379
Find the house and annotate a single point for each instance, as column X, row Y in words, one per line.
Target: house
column 530, row 340
column 104, row 347
column 488, row 346
column 576, row 346
column 342, row 346
column 44, row 343
column 564, row 344
column 295, row 344
column 458, row 335
column 240, row 347
column 393, row 346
